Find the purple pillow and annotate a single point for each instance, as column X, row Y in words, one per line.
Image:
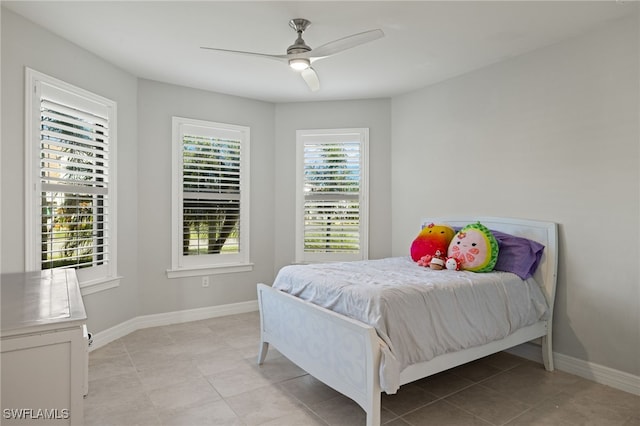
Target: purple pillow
column 517, row 254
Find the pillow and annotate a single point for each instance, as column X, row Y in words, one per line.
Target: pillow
column 431, row 239
column 517, row 254
column 475, row 247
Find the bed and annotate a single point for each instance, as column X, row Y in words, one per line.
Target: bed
column 361, row 354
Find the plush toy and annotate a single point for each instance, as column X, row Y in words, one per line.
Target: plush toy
column 452, row 264
column 475, row 247
column 425, row 260
column 437, row 262
column 431, row 239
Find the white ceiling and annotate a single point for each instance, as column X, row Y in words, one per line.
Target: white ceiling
column 425, row 42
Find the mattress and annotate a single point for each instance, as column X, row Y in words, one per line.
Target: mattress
column 418, row 313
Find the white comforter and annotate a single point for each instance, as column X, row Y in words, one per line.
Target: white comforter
column 419, row 313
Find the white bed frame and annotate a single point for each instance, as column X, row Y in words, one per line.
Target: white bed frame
column 345, row 353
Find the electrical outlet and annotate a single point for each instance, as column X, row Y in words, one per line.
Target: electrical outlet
column 205, row 281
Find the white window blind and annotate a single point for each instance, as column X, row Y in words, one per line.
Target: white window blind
column 70, row 173
column 211, row 191
column 332, row 188
column 210, row 197
column 74, row 176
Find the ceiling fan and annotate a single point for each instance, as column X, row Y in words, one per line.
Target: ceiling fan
column 300, row 56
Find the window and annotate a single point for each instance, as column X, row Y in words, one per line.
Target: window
column 210, row 198
column 70, row 177
column 332, row 198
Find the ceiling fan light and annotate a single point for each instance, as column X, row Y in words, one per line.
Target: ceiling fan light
column 299, row 64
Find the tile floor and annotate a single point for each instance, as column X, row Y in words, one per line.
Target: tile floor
column 205, row 373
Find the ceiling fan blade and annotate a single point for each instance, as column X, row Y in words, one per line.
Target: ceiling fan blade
column 311, row 78
column 241, row 52
column 345, row 43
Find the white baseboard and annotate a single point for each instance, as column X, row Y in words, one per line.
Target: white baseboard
column 104, row 337
column 600, row 374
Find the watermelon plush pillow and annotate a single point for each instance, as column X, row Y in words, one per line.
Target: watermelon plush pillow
column 431, row 239
column 475, row 247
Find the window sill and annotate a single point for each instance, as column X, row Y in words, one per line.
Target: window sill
column 209, row 270
column 95, row 286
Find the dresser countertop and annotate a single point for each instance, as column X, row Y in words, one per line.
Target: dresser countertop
column 36, row 301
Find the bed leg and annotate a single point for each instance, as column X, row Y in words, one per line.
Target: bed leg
column 373, row 413
column 547, row 352
column 264, row 348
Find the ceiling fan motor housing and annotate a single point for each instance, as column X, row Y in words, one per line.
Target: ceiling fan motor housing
column 299, row 46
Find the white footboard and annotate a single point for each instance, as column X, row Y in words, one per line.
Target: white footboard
column 342, row 353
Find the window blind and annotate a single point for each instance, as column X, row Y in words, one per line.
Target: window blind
column 74, row 182
column 211, row 195
column 332, row 176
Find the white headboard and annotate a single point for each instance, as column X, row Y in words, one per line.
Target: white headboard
column 546, row 233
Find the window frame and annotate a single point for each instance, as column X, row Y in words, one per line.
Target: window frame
column 91, row 279
column 360, row 135
column 207, row 264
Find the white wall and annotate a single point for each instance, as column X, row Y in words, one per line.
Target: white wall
column 27, row 45
column 551, row 135
column 374, row 114
column 157, row 103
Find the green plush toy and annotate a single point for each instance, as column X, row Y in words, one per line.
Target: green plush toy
column 475, row 247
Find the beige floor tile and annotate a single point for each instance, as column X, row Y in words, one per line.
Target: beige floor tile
column 342, row 411
column 238, row 380
column 206, row 373
column 476, row 371
column 234, row 329
column 124, row 418
column 114, row 348
column 117, row 409
column 568, row 409
column 252, row 353
column 264, row 404
column 114, row 387
column 278, row 369
column 487, row 404
column 154, row 337
column 440, row 413
column 107, row 366
column 504, row 360
column 530, row 383
column 154, row 357
column 198, row 346
column 444, row 384
column 216, row 413
column 308, row 389
column 397, row 422
column 219, row 361
column 408, row 398
column 302, row 417
column 622, row 402
column 242, row 341
column 187, row 394
column 169, row 375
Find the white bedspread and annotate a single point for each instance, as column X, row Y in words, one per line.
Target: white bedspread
column 419, row 313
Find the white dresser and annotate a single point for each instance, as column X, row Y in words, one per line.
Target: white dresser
column 43, row 348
